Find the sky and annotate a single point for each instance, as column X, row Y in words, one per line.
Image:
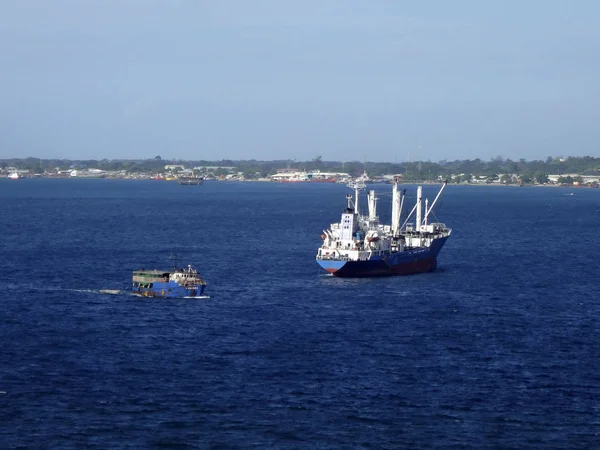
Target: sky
column 368, row 80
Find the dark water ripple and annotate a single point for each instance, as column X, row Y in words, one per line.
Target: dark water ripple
column 496, row 349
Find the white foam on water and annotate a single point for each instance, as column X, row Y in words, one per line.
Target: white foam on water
column 160, row 297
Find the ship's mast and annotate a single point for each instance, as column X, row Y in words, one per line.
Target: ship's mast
column 397, row 199
column 403, row 196
column 372, row 205
column 419, row 201
column 395, row 206
column 357, row 186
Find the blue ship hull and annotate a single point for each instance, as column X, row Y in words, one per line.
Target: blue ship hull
column 408, row 262
column 168, row 289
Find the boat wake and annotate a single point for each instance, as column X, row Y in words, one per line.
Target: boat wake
column 83, row 291
column 199, row 297
column 103, row 292
column 98, row 291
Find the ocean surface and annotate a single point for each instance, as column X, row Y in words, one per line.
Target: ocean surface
column 499, row 348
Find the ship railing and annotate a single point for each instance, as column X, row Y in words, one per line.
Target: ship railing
column 333, row 258
column 339, row 258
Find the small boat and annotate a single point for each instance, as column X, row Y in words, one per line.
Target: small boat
column 191, row 181
column 322, row 179
column 299, row 177
column 177, row 283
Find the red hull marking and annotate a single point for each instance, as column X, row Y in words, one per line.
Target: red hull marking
column 331, row 270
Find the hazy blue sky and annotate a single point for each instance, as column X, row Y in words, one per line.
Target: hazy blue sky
column 272, row 79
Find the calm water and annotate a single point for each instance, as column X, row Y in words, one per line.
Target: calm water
column 498, row 348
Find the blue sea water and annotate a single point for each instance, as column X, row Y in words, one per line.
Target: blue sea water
column 498, row 348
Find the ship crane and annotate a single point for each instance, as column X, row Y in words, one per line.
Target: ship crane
column 397, row 204
column 420, row 220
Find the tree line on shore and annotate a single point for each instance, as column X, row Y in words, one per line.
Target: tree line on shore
column 461, row 170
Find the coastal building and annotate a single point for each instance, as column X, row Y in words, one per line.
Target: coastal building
column 213, row 168
column 87, row 173
column 587, row 179
column 293, row 175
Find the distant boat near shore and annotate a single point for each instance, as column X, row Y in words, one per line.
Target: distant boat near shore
column 191, row 181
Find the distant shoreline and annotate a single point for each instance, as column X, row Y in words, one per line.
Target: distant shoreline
column 275, row 182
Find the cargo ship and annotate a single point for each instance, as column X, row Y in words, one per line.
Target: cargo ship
column 177, row 283
column 359, row 246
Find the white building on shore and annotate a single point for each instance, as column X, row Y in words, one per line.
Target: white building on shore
column 587, row 179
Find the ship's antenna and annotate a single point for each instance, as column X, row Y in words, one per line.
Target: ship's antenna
column 174, row 257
